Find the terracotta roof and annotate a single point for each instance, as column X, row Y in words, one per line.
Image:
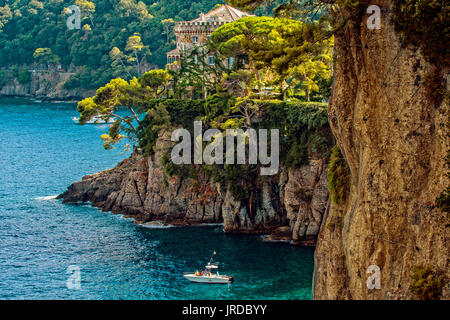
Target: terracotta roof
column 173, row 52
column 223, row 13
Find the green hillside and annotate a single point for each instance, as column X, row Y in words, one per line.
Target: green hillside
column 28, row 25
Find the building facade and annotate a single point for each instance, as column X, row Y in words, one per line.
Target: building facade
column 190, row 34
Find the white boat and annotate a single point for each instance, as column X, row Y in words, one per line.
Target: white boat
column 209, row 275
column 94, row 120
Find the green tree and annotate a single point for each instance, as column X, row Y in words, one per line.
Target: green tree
column 87, row 9
column 105, row 103
column 274, row 44
column 120, row 69
column 138, row 52
column 309, row 73
column 157, row 80
column 5, row 15
column 167, row 23
column 134, row 96
column 123, row 64
column 45, row 56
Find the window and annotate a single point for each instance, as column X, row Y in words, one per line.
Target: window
column 194, row 39
column 211, row 60
column 230, row 62
column 173, row 59
column 196, row 59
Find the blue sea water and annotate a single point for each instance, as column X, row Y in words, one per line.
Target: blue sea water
column 42, row 152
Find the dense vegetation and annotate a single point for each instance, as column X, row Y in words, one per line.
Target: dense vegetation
column 281, row 52
column 280, row 65
column 304, row 134
column 26, row 26
column 422, row 23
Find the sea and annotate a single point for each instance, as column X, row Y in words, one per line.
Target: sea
column 50, row 250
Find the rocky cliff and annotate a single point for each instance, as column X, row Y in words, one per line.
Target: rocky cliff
column 390, row 119
column 289, row 207
column 45, row 85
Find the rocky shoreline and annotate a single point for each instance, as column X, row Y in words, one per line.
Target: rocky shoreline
column 45, row 86
column 139, row 188
column 44, row 99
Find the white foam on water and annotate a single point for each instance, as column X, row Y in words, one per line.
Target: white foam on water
column 156, row 225
column 123, row 217
column 47, row 198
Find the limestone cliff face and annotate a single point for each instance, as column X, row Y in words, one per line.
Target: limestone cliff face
column 393, row 132
column 291, row 207
column 45, row 85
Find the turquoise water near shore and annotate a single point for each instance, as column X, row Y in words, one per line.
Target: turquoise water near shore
column 42, row 152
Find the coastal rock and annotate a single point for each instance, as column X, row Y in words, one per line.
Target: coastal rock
column 45, row 85
column 139, row 187
column 280, row 234
column 394, row 136
column 305, row 199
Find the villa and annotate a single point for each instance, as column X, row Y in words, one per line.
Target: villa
column 190, row 34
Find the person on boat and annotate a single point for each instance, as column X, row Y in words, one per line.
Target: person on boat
column 197, row 273
column 201, row 273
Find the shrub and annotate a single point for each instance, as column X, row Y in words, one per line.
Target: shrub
column 338, row 176
column 426, row 284
column 23, row 76
column 443, row 201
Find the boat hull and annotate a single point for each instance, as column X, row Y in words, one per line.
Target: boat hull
column 205, row 279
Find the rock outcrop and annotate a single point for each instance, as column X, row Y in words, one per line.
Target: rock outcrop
column 392, row 128
column 139, row 187
column 45, row 85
